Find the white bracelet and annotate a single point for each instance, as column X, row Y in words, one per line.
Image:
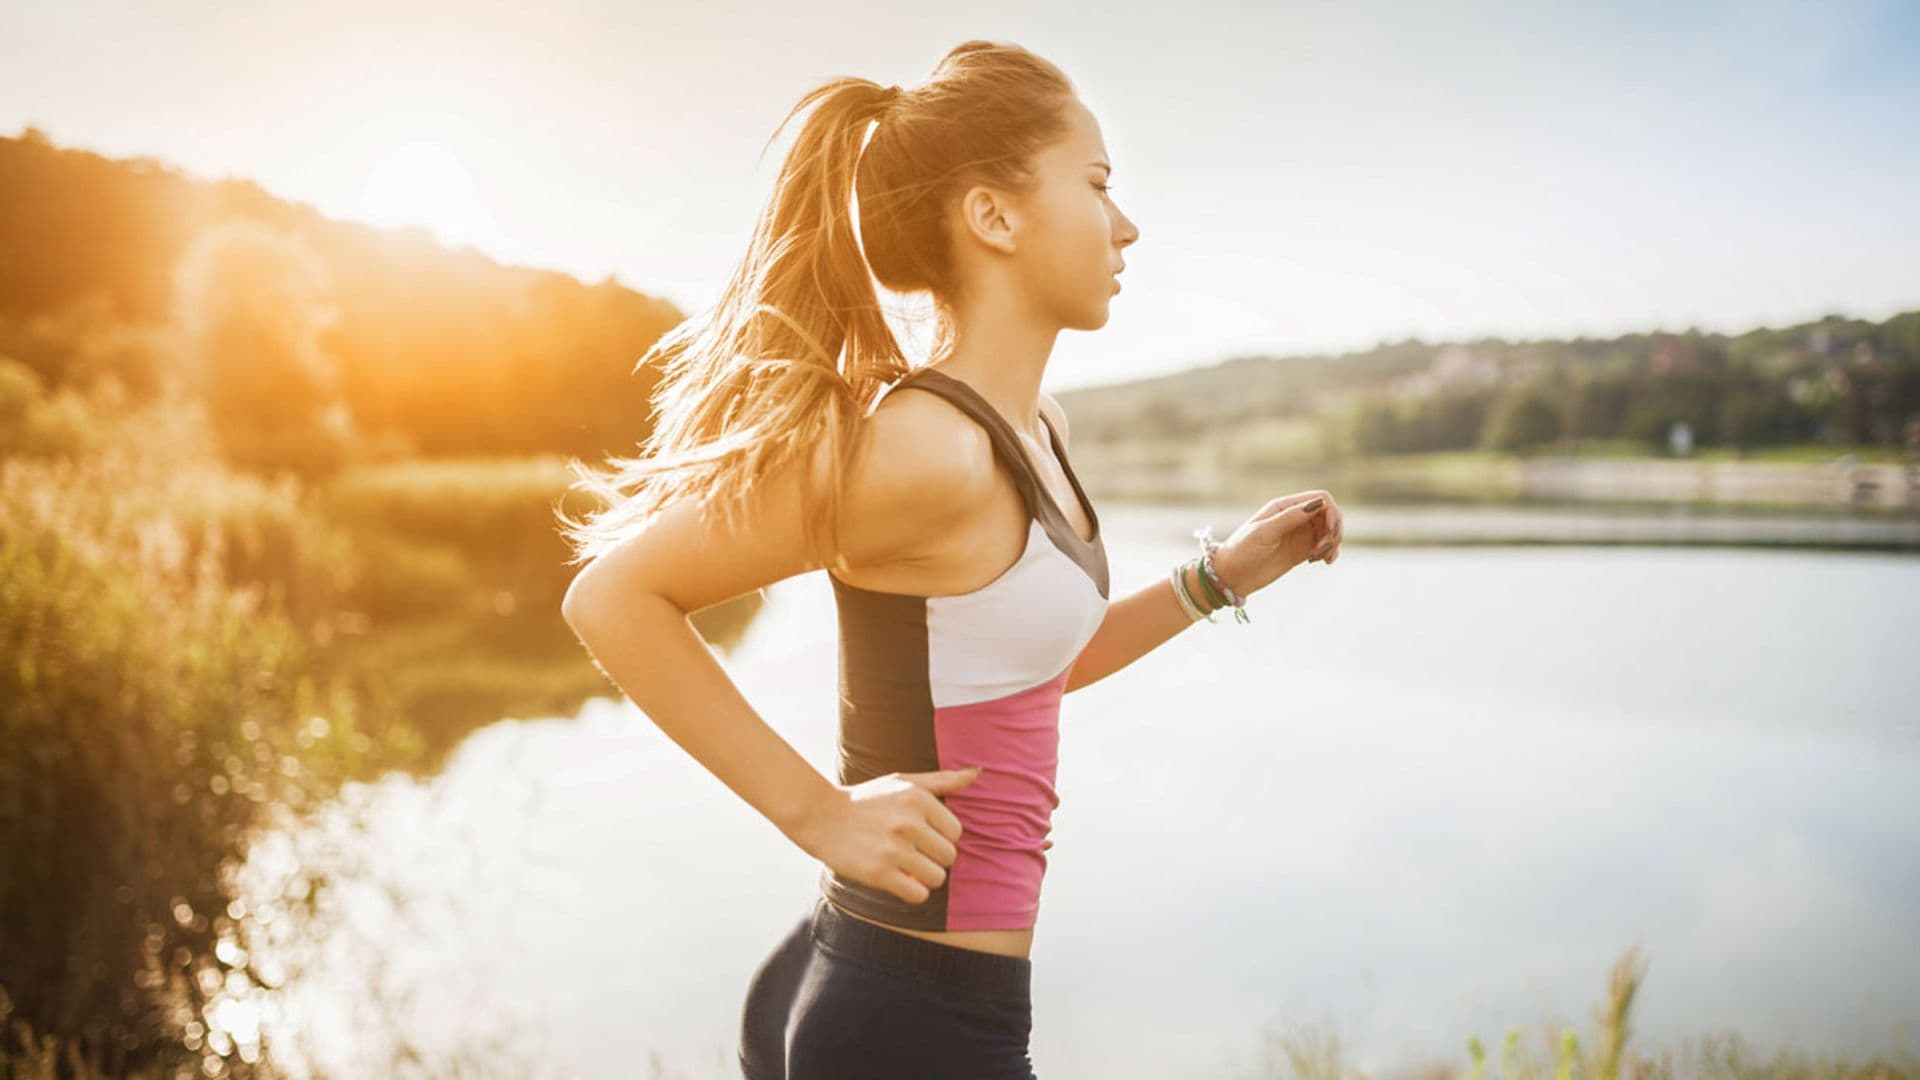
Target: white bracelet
column 1194, row 614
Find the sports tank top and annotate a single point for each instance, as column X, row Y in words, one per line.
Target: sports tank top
column 974, row 678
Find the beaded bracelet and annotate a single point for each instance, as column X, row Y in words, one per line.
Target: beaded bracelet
column 1212, row 577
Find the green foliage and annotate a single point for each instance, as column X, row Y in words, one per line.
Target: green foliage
column 442, row 351
column 26, row 1054
column 416, row 525
column 1523, row 418
column 34, row 423
column 87, row 342
column 1310, row 1053
column 1377, row 427
column 253, row 302
column 396, row 578
column 1752, row 417
column 1836, row 381
column 160, row 697
column 1650, row 422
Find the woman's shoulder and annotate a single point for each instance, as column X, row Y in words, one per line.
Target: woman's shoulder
column 920, row 466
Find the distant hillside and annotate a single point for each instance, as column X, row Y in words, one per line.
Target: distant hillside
column 131, row 266
column 1838, row 381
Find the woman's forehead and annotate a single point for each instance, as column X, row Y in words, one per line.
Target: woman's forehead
column 1081, row 147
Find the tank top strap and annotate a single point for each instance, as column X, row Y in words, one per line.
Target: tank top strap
column 1073, row 478
column 1006, row 444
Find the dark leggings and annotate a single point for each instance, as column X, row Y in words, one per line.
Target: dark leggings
column 843, row 999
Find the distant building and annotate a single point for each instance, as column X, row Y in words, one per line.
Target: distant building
column 1453, row 365
column 1459, row 364
column 1680, row 438
column 1674, row 355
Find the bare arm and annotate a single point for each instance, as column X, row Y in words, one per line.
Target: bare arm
column 1137, row 623
column 630, row 608
column 660, row 661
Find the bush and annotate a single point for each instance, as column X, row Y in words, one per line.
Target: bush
column 32, row 423
column 158, row 698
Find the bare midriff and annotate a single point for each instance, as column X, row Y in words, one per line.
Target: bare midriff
column 1003, row 942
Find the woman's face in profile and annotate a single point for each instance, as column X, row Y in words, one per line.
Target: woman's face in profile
column 1069, row 240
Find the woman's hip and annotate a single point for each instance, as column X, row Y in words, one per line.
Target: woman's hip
column 844, row 998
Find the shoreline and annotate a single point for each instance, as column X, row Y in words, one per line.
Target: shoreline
column 1839, row 485
column 1457, row 524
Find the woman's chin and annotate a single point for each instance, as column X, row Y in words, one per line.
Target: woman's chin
column 1096, row 319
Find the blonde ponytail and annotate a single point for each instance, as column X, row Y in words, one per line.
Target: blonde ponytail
column 788, row 361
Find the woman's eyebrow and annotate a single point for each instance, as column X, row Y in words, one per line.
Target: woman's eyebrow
column 1101, row 164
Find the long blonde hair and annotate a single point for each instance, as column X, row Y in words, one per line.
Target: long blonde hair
column 797, row 348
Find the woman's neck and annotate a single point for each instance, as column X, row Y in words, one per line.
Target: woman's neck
column 1010, row 386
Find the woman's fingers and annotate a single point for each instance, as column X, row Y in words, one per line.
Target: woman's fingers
column 937, row 847
column 1329, row 537
column 924, row 870
column 907, row 887
column 1298, row 531
column 1336, row 533
column 1282, row 534
column 1282, row 503
column 1323, row 538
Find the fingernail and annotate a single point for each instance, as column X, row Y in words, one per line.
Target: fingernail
column 1314, row 505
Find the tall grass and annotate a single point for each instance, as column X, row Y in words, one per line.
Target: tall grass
column 1313, row 1053
column 157, row 696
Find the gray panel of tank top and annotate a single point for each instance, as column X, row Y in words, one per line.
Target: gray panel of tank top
column 1091, row 555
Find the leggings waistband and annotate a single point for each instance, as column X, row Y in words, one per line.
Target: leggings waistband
column 972, row 969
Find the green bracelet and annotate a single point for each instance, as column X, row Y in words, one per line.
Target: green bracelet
column 1193, row 564
column 1214, row 596
column 1212, row 581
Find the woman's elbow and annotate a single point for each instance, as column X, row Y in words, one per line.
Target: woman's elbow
column 595, row 603
column 578, row 602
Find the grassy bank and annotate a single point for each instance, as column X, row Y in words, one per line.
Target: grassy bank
column 1789, row 479
column 192, row 649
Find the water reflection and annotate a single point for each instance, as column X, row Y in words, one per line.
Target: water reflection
column 367, row 915
column 1427, row 794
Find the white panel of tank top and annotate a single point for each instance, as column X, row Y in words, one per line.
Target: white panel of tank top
column 1016, row 632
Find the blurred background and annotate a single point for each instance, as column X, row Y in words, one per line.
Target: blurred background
column 1598, row 751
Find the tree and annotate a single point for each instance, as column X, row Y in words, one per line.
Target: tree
column 253, row 302
column 1521, row 418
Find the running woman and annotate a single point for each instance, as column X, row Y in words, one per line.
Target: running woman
column 966, row 561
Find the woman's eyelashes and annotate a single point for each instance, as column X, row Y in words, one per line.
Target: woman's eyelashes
column 1103, row 187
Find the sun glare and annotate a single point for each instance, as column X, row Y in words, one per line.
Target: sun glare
column 425, row 183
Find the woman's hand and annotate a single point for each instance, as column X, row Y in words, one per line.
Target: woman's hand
column 891, row 833
column 1330, row 526
column 1286, row 532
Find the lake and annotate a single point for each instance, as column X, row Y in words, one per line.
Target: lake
column 1430, row 792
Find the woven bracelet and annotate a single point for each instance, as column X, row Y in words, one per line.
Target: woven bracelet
column 1212, row 578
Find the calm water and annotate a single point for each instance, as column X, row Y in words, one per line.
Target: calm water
column 1428, row 793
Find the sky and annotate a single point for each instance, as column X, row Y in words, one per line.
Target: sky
column 1306, row 177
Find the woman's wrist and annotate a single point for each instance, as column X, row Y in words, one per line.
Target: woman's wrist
column 1191, row 574
column 1219, row 590
column 1223, row 571
column 1198, row 586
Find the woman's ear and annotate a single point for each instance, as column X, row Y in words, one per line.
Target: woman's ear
column 989, row 216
